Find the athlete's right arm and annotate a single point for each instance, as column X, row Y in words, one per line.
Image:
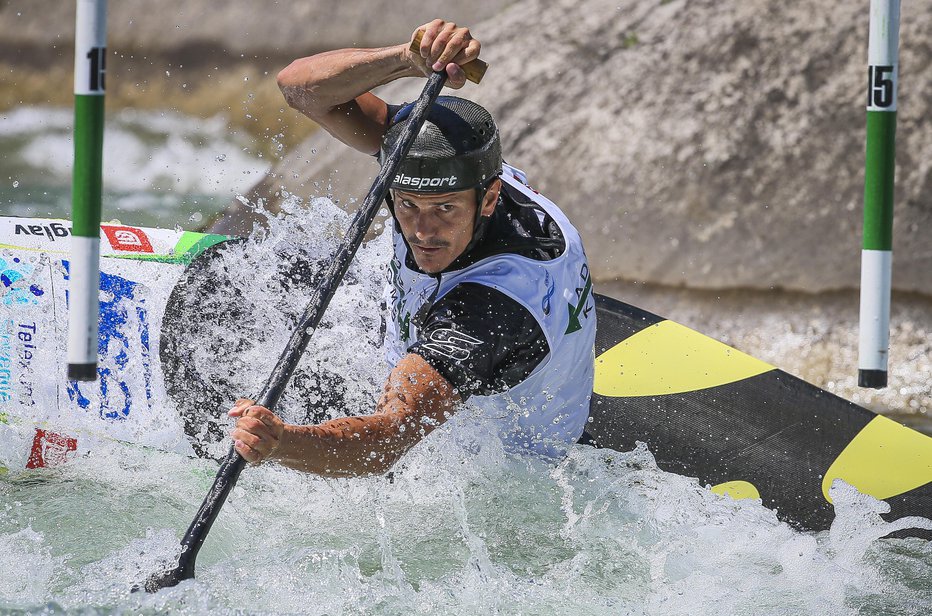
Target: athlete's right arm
column 333, row 88
column 416, row 399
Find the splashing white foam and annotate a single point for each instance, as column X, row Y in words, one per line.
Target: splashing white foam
column 461, row 528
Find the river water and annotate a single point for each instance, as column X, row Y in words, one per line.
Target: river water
column 161, row 169
column 462, row 528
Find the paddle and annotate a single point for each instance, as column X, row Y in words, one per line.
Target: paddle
column 216, row 294
column 331, row 277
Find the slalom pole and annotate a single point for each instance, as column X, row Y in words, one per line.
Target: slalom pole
column 90, row 57
column 877, row 247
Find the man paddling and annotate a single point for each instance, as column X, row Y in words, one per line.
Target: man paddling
column 490, row 296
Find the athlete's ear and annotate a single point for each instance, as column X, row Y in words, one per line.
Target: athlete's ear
column 491, row 197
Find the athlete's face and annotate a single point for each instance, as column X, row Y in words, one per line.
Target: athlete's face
column 438, row 227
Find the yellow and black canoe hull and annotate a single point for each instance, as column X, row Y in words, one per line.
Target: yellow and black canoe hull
column 744, row 427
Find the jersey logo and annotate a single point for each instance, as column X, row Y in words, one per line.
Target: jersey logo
column 551, row 289
column 451, row 343
column 522, row 177
column 583, row 297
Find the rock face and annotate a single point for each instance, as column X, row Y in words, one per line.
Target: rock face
column 694, row 143
column 234, row 26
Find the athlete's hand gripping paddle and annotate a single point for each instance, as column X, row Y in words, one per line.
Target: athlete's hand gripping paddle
column 331, row 277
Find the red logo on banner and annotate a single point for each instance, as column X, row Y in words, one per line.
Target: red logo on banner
column 129, row 239
column 50, row 449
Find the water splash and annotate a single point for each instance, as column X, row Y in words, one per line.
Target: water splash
column 461, row 528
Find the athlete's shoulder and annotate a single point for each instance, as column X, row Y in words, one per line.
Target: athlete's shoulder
column 480, row 339
column 512, row 177
column 517, row 186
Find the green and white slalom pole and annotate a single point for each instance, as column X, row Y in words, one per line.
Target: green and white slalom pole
column 90, row 56
column 877, row 247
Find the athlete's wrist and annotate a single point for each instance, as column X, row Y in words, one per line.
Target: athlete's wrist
column 281, row 447
column 412, row 64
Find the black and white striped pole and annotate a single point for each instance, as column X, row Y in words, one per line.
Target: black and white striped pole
column 90, row 56
column 877, row 247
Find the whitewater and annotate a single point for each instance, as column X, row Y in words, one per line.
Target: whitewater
column 460, row 527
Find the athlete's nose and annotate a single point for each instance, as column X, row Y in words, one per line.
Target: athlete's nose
column 425, row 226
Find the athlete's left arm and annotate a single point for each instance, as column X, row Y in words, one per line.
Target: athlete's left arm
column 415, row 400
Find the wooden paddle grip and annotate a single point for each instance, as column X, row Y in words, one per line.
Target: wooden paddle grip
column 474, row 69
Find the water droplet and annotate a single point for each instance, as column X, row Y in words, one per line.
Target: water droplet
column 220, row 158
column 15, row 183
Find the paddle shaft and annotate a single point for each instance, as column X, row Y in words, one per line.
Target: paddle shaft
column 233, row 464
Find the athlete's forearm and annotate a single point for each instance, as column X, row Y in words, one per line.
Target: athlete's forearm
column 316, row 84
column 415, row 400
column 350, row 446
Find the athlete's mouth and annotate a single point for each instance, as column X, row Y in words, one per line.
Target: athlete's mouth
column 427, row 249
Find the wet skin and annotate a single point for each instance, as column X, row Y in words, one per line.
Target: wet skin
column 438, row 227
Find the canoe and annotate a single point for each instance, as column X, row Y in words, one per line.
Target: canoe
column 741, row 426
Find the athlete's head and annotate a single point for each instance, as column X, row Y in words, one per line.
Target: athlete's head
column 448, row 184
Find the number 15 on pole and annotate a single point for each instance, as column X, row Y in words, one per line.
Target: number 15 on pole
column 90, row 57
column 877, row 247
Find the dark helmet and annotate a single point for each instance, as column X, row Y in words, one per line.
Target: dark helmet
column 457, row 148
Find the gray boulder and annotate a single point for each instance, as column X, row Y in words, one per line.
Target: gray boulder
column 694, row 144
column 234, row 26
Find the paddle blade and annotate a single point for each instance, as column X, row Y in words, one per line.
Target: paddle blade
column 167, row 579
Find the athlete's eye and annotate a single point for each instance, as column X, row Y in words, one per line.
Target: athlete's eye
column 407, row 204
column 445, row 207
